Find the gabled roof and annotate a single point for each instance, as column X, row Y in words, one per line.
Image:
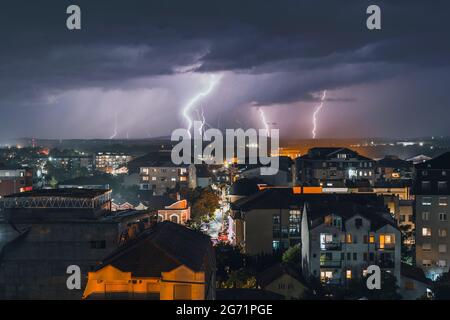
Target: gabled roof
column 245, row 186
column 377, row 216
column 162, row 248
column 394, row 162
column 276, row 271
column 321, row 153
column 155, row 202
column 409, row 271
column 440, row 162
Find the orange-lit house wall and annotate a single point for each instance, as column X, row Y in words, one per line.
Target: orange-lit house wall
column 112, row 280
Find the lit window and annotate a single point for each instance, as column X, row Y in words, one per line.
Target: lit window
column 426, row 263
column 443, row 201
column 442, row 263
column 154, row 178
column 144, row 178
column 174, row 179
column 426, row 247
column 442, row 233
column 426, row 232
column 348, row 274
column 348, row 238
column 372, row 238
column 426, row 201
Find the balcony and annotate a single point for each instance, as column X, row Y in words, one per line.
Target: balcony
column 330, row 263
column 385, row 247
column 331, row 246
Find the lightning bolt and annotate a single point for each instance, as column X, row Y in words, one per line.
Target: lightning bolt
column 213, row 81
column 263, row 120
column 319, row 107
column 115, row 127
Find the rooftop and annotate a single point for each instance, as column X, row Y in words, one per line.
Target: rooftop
column 162, row 248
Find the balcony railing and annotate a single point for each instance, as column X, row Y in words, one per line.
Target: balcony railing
column 330, row 263
column 386, row 247
column 331, row 246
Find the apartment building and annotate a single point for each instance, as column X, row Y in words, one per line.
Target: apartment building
column 110, row 161
column 334, row 167
column 432, row 212
column 341, row 239
column 161, row 176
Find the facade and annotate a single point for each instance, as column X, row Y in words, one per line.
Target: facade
column 178, row 212
column 53, row 229
column 432, row 194
column 340, row 240
column 334, row 167
column 15, row 179
column 270, row 220
column 72, row 162
column 160, row 177
column 185, row 268
column 110, row 161
column 392, row 168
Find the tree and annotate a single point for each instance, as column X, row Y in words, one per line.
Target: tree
column 53, row 182
column 293, row 255
column 204, row 203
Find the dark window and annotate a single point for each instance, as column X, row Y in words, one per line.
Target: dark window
column 349, row 256
column 355, row 256
column 98, row 244
column 358, row 222
column 371, row 256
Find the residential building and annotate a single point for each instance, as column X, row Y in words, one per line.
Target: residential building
column 54, row 229
column 283, row 280
column 340, row 239
column 432, row 213
column 414, row 285
column 71, row 161
column 174, row 263
column 334, row 167
column 15, row 179
column 393, row 168
column 161, row 176
column 109, row 162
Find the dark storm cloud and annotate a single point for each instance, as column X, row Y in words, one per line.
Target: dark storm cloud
column 298, row 47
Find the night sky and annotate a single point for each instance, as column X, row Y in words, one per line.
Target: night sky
column 140, row 62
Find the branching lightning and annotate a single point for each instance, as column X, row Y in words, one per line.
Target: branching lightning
column 318, row 108
column 264, row 121
column 202, row 118
column 186, row 110
column 115, row 127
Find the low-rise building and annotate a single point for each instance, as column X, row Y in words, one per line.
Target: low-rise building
column 414, row 285
column 53, row 229
column 14, row 179
column 166, row 262
column 282, row 279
